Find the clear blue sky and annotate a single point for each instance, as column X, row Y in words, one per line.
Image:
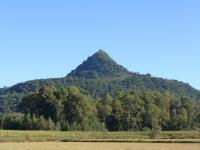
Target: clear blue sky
column 49, row 38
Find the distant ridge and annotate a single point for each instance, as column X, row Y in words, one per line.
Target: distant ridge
column 98, row 75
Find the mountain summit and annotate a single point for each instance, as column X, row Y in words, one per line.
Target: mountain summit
column 99, row 65
column 98, row 75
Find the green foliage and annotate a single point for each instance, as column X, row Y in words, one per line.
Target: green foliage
column 104, row 110
column 97, row 66
column 69, row 108
column 41, row 123
column 133, row 108
column 79, row 110
column 51, row 125
column 100, row 95
column 18, row 121
column 28, row 122
column 99, row 75
column 12, row 121
column 73, row 110
column 45, row 102
column 155, row 134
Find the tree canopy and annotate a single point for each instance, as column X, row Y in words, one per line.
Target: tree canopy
column 134, row 110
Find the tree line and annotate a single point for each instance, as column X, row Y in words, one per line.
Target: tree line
column 19, row 121
column 70, row 109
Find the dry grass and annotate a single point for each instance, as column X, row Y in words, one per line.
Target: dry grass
column 47, row 136
column 96, row 146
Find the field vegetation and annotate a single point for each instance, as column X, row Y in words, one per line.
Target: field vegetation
column 144, row 137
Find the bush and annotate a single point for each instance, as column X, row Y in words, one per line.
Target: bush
column 155, row 132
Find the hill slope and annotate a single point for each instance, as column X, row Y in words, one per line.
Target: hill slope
column 100, row 65
column 98, row 75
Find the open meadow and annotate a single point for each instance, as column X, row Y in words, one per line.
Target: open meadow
column 54, row 140
column 57, row 136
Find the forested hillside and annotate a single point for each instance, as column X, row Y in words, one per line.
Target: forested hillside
column 69, row 109
column 98, row 75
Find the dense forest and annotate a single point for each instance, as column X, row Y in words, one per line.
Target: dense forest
column 100, row 95
column 70, row 109
column 98, row 75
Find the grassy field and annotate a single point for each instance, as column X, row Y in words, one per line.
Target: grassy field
column 45, row 136
column 97, row 146
column 50, row 140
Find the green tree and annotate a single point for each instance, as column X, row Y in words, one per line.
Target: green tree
column 51, row 125
column 191, row 110
column 43, row 103
column 42, row 123
column 133, row 108
column 114, row 122
column 105, row 110
column 79, row 110
column 27, row 122
column 34, row 122
column 156, row 121
column 12, row 121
